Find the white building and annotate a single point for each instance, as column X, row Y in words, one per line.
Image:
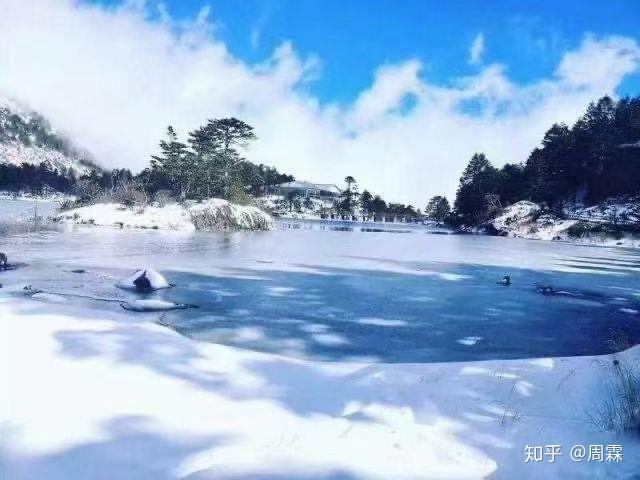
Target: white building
column 309, row 190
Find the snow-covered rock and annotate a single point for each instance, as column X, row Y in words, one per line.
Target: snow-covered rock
column 515, row 214
column 218, row 214
column 213, row 214
column 525, row 219
column 586, row 224
column 156, row 280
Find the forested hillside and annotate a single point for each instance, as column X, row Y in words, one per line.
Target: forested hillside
column 33, row 158
column 595, row 159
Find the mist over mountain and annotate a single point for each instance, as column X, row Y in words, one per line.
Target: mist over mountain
column 34, row 156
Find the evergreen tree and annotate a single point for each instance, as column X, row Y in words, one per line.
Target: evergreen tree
column 366, row 202
column 554, row 172
column 173, row 164
column 597, row 138
column 438, row 209
column 478, row 180
column 217, row 147
column 348, row 201
column 378, row 206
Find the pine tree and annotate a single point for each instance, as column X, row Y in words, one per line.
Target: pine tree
column 217, row 147
column 438, row 209
column 478, row 180
column 173, row 164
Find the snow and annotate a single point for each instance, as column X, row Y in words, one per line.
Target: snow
column 156, row 280
column 469, row 341
column 525, row 220
column 15, row 153
column 212, row 214
column 621, row 209
column 382, row 322
column 29, row 196
column 152, row 305
column 117, row 397
column 218, row 214
column 49, row 297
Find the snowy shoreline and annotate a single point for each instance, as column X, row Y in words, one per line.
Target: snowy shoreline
column 213, row 214
column 200, row 410
column 28, row 197
column 526, row 219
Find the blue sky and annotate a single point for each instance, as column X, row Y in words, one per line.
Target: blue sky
column 352, row 38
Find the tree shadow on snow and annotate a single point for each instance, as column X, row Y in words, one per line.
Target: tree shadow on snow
column 130, row 445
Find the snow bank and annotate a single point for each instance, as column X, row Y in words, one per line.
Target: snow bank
column 213, row 214
column 88, row 391
column 524, row 219
column 218, row 214
column 591, row 225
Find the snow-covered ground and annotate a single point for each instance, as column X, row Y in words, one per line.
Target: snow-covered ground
column 28, row 196
column 212, row 214
column 623, row 210
column 14, row 153
column 95, row 394
column 15, row 150
column 525, row 220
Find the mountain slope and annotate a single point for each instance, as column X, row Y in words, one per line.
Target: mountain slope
column 27, row 137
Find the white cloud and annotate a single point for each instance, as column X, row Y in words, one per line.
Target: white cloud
column 392, row 84
column 113, row 79
column 600, row 63
column 477, row 49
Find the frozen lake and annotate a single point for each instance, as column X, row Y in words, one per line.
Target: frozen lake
column 309, row 290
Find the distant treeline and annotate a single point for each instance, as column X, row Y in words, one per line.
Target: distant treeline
column 37, row 179
column 595, row 159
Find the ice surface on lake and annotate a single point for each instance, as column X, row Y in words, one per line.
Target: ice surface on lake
column 23, row 210
column 331, row 294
